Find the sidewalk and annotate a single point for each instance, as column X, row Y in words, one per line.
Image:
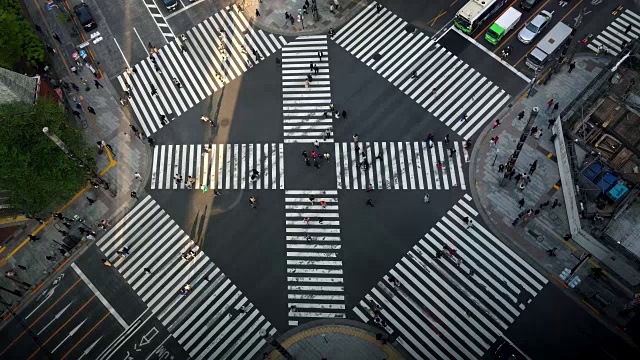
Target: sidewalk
column 29, row 258
column 272, row 15
column 334, row 339
column 536, row 234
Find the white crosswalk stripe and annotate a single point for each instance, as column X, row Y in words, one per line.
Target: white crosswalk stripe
column 447, row 87
column 218, row 166
column 454, row 306
column 304, row 107
column 399, row 165
column 613, row 37
column 315, row 284
column 214, row 320
column 218, row 50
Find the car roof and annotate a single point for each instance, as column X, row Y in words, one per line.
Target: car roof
column 83, row 13
column 541, row 18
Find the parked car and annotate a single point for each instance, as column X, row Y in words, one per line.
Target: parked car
column 84, row 17
column 535, row 27
column 171, row 5
column 528, row 4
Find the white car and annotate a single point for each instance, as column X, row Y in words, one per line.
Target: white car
column 535, row 27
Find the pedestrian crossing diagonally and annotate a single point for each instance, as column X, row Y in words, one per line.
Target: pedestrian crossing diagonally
column 400, row 165
column 218, row 50
column 613, row 37
column 304, row 105
column 446, row 86
column 214, row 320
column 456, row 305
column 315, row 284
column 218, row 166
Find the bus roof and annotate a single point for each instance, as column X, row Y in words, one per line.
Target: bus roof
column 554, row 38
column 474, row 8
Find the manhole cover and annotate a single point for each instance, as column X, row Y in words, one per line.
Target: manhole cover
column 224, row 122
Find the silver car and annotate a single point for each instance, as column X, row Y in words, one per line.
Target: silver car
column 535, row 27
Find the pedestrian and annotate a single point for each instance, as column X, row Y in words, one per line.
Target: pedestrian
column 532, row 167
column 151, row 142
column 337, row 4
column 378, row 8
column 106, row 262
column 316, row 143
column 522, row 186
column 134, row 195
column 369, row 203
column 500, row 168
column 536, row 212
column 331, row 9
column 551, row 122
column 306, row 83
column 556, row 107
column 549, row 104
column 312, row 199
column 97, row 84
column 74, row 70
column 257, row 13
column 327, row 156
column 154, row 91
column 304, row 154
column 286, row 16
column 147, row 270
column 464, row 118
column 572, row 66
column 556, row 202
column 538, row 134
column 414, row 74
column 534, row 129
column 90, row 200
column 177, row 83
column 320, row 54
column 446, row 139
column 38, row 28
column 32, row 237
column 427, row 199
column 253, row 202
column 76, row 114
column 331, row 33
column 323, row 204
column 138, row 176
column 520, row 115
column 496, row 123
column 567, row 237
column 75, row 87
column 91, row 110
column 50, row 49
column 521, row 202
column 355, row 137
column 495, row 140
column 627, row 29
column 122, row 102
column 50, row 258
column 552, row 252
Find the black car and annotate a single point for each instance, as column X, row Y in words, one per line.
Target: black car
column 528, row 4
column 171, row 5
column 84, row 17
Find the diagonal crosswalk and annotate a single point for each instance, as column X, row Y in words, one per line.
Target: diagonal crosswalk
column 446, row 86
column 214, row 320
column 218, row 166
column 613, row 37
column 455, row 306
column 315, row 284
column 400, row 165
column 218, row 50
column 304, row 104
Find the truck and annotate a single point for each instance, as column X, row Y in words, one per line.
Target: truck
column 550, row 44
column 503, row 25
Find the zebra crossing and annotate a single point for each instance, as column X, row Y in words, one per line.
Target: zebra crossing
column 214, row 320
column 218, row 166
column 315, row 284
column 446, row 86
column 304, row 104
column 400, row 165
column 455, row 306
column 218, row 50
column 615, row 34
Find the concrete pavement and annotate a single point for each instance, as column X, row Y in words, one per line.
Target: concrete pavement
column 500, row 199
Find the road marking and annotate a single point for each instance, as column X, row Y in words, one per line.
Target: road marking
column 144, row 46
column 118, row 45
column 99, row 295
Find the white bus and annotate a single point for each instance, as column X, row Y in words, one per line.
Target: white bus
column 476, row 12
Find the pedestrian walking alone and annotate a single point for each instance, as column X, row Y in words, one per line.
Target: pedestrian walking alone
column 320, row 54
column 556, row 107
column 572, row 66
column 556, row 202
column 97, row 84
column 550, row 104
column 134, row 195
column 496, row 123
column 254, row 202
column 90, row 200
column 551, row 122
column 369, row 203
column 427, row 199
column 521, row 203
column 91, row 110
column 257, row 13
column 446, row 139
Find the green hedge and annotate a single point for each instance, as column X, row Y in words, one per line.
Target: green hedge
column 20, row 47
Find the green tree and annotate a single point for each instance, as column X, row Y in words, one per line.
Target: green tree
column 20, row 47
column 33, row 170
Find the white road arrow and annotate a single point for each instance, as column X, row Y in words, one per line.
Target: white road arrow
column 49, row 294
column 88, row 350
column 70, row 335
column 55, row 318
